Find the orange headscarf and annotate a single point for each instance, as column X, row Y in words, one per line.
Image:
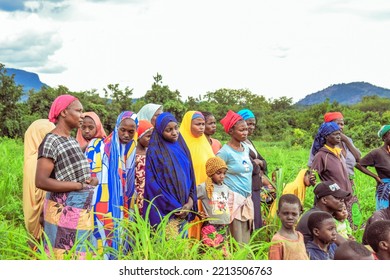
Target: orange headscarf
column 100, row 133
column 143, row 127
column 331, row 116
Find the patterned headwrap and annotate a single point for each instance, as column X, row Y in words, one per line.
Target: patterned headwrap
column 331, row 116
column 60, row 104
column 197, row 115
column 324, row 130
column 230, row 120
column 143, row 127
column 384, row 129
column 212, row 166
column 246, row 114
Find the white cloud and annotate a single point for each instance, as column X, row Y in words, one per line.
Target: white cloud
column 274, row 48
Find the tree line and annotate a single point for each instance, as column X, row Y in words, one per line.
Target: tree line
column 277, row 119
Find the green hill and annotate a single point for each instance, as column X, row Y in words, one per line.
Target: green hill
column 346, row 94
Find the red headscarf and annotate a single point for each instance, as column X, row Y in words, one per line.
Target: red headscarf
column 331, row 116
column 100, row 133
column 230, row 120
column 59, row 105
column 143, row 127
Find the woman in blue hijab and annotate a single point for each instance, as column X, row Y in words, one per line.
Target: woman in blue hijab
column 169, row 176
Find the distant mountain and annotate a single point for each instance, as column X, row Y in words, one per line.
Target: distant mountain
column 346, row 94
column 26, row 79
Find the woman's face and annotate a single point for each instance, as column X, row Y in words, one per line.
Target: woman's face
column 197, row 127
column 340, row 123
column 210, row 125
column 239, row 131
column 171, row 132
column 334, row 138
column 126, row 130
column 144, row 140
column 153, row 120
column 74, row 114
column 251, row 122
column 88, row 128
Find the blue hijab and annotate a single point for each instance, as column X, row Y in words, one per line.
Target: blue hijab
column 324, row 130
column 169, row 175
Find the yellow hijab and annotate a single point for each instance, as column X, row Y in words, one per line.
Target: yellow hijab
column 201, row 151
column 32, row 196
column 199, row 147
column 296, row 187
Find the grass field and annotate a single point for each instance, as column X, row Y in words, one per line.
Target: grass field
column 154, row 245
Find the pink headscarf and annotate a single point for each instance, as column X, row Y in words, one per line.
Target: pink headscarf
column 100, row 133
column 59, row 105
column 230, row 120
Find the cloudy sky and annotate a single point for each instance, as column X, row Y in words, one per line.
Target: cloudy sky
column 273, row 48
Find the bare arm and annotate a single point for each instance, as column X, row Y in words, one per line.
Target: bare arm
column 45, row 167
column 351, row 147
column 368, row 172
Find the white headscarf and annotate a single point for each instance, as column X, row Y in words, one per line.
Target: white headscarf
column 147, row 111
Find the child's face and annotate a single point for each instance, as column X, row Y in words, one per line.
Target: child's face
column 219, row 176
column 289, row 214
column 326, row 232
column 144, row 140
column 309, row 179
column 342, row 214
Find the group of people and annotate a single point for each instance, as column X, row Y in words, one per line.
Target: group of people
column 177, row 175
column 325, row 232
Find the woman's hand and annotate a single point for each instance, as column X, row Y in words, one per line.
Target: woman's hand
column 93, row 181
column 378, row 180
column 185, row 209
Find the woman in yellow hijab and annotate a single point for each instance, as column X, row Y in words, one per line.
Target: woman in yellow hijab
column 304, row 179
column 32, row 196
column 192, row 129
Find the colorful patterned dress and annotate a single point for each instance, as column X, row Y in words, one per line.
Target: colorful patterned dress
column 68, row 217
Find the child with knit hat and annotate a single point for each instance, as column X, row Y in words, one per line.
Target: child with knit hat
column 214, row 196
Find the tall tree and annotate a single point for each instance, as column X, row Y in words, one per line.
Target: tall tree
column 161, row 94
column 10, row 111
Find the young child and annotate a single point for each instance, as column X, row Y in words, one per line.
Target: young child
column 342, row 224
column 144, row 130
column 323, row 229
column 288, row 243
column 214, row 195
column 378, row 237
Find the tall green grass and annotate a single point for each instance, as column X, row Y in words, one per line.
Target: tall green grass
column 154, row 244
